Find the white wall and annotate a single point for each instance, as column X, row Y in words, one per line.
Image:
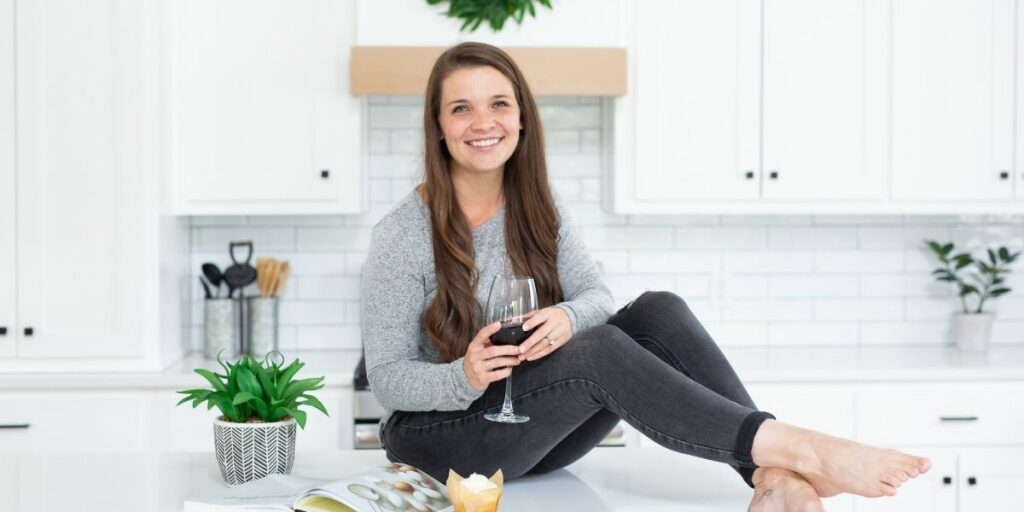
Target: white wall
column 784, row 280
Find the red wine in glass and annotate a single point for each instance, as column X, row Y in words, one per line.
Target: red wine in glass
column 512, row 300
column 510, row 335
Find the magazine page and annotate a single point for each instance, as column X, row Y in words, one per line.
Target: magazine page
column 386, row 488
column 272, row 493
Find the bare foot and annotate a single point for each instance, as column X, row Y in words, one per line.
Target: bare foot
column 833, row 464
column 781, row 490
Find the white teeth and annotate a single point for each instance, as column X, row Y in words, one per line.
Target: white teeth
column 483, row 143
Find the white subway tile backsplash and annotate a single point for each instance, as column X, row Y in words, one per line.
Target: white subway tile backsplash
column 858, row 309
column 720, row 237
column 812, row 238
column 304, row 312
column 329, row 337
column 817, row 333
column 264, row 238
column 857, row 262
column 333, row 239
column 900, row 237
column 774, row 310
column 904, row 333
column 674, row 262
column 327, row 287
column 812, row 286
column 732, row 334
column 764, row 262
column 753, row 280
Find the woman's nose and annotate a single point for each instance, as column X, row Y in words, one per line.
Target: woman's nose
column 482, row 121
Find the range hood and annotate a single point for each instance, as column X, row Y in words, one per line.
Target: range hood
column 549, row 71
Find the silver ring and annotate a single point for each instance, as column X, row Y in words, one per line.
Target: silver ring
column 487, row 364
column 551, row 341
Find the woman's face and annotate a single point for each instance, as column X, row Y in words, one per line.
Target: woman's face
column 479, row 119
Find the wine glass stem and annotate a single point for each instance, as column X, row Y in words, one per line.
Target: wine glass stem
column 506, row 408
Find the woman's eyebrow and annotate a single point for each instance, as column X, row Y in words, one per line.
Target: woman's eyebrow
column 495, row 97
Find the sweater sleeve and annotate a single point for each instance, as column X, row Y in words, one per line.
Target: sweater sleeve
column 588, row 301
column 393, row 298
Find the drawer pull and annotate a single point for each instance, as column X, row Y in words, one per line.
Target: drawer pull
column 958, row 418
column 12, row 426
column 947, row 480
column 972, row 481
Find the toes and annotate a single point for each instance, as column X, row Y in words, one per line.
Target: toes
column 888, row 490
column 892, row 480
column 924, row 464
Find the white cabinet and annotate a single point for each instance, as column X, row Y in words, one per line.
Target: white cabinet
column 683, row 135
column 825, row 89
column 8, row 290
column 953, row 99
column 97, row 268
column 730, row 107
column 990, row 479
column 72, row 421
column 262, row 118
column 571, row 23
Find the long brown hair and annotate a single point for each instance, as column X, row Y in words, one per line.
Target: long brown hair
column 531, row 219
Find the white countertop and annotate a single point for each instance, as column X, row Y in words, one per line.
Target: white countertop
column 754, row 365
column 607, row 479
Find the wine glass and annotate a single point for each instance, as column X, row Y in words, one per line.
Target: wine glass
column 512, row 300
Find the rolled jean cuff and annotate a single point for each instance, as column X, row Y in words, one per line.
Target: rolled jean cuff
column 745, row 440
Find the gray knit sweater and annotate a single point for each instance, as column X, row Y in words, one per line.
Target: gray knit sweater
column 404, row 368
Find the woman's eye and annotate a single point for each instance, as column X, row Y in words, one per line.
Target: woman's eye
column 460, row 108
column 501, row 103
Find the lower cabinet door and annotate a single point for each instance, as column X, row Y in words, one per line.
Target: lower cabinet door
column 991, row 479
column 74, row 422
column 934, row 491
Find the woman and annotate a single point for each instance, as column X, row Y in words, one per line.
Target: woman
column 485, row 208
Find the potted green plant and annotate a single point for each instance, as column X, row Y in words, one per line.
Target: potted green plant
column 260, row 403
column 973, row 277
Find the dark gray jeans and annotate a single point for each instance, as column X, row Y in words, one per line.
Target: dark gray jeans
column 652, row 364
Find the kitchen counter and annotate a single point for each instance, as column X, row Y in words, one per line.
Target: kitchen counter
column 754, row 365
column 607, row 479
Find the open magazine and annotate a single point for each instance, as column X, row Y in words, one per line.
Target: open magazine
column 384, row 488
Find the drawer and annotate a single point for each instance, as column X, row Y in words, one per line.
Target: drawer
column 824, row 408
column 941, row 414
column 79, row 422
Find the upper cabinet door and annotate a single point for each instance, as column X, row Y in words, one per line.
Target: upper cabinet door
column 688, row 129
column 825, row 100
column 953, row 78
column 87, row 164
column 572, row 23
column 7, row 181
column 263, row 118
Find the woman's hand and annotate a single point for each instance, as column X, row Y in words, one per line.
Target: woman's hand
column 552, row 330
column 485, row 362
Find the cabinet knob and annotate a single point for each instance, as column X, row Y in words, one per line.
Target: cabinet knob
column 325, row 173
column 3, row 331
column 773, row 175
column 28, row 331
column 750, row 175
column 947, row 480
column 1004, row 175
column 972, row 481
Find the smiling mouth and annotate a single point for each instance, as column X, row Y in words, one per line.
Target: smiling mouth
column 484, row 143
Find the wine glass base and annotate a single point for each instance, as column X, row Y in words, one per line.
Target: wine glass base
column 498, row 417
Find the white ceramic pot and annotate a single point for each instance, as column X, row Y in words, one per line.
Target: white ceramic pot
column 250, row 451
column 971, row 331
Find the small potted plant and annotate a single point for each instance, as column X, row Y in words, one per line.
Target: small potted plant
column 260, row 405
column 972, row 329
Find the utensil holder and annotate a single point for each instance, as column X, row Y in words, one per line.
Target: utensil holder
column 220, row 328
column 261, row 326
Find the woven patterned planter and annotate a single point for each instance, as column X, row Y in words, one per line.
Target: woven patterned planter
column 250, row 451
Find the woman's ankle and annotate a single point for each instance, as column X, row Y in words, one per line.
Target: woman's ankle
column 777, row 444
